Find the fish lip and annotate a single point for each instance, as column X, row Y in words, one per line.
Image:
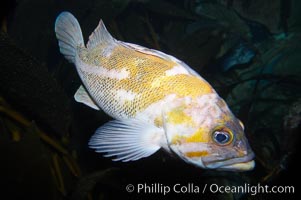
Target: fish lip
column 226, row 164
column 243, row 166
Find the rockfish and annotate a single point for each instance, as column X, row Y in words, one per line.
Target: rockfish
column 157, row 101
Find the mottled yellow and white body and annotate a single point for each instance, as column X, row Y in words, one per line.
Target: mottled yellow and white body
column 156, row 99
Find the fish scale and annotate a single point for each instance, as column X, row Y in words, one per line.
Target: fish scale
column 147, row 79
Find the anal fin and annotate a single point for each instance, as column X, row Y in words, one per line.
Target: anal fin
column 82, row 96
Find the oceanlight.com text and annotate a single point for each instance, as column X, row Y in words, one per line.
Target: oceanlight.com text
column 191, row 188
column 252, row 189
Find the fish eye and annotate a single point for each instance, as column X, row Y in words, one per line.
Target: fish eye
column 222, row 137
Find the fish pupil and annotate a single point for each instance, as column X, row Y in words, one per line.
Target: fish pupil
column 221, row 137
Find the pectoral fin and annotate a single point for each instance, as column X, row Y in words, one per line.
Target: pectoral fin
column 82, row 96
column 129, row 140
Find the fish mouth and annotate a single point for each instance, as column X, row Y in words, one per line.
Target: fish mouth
column 245, row 163
column 243, row 166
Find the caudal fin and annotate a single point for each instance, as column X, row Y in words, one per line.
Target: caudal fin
column 69, row 35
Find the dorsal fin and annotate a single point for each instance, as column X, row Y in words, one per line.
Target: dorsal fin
column 159, row 54
column 99, row 35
